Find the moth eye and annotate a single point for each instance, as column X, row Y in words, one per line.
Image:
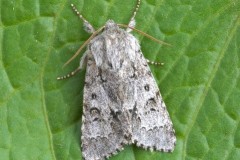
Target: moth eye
column 94, row 96
column 146, row 87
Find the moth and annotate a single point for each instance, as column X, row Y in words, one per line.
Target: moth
column 122, row 103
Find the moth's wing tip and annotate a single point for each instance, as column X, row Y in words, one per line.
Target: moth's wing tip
column 154, row 140
column 152, row 148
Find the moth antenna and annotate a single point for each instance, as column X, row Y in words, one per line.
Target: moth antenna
column 78, row 13
column 82, row 46
column 87, row 26
column 132, row 20
column 136, row 9
column 145, row 34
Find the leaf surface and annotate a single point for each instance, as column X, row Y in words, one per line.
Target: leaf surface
column 40, row 117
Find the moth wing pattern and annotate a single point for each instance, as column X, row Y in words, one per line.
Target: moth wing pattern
column 102, row 133
column 152, row 127
column 122, row 103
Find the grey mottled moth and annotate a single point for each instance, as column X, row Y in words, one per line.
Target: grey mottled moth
column 122, row 103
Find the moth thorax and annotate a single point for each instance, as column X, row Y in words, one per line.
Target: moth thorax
column 110, row 24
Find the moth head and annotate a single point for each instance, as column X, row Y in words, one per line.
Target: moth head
column 110, row 24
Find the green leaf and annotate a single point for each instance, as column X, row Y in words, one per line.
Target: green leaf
column 40, row 117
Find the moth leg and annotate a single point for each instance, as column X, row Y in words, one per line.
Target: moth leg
column 83, row 62
column 132, row 22
column 155, row 63
column 86, row 25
